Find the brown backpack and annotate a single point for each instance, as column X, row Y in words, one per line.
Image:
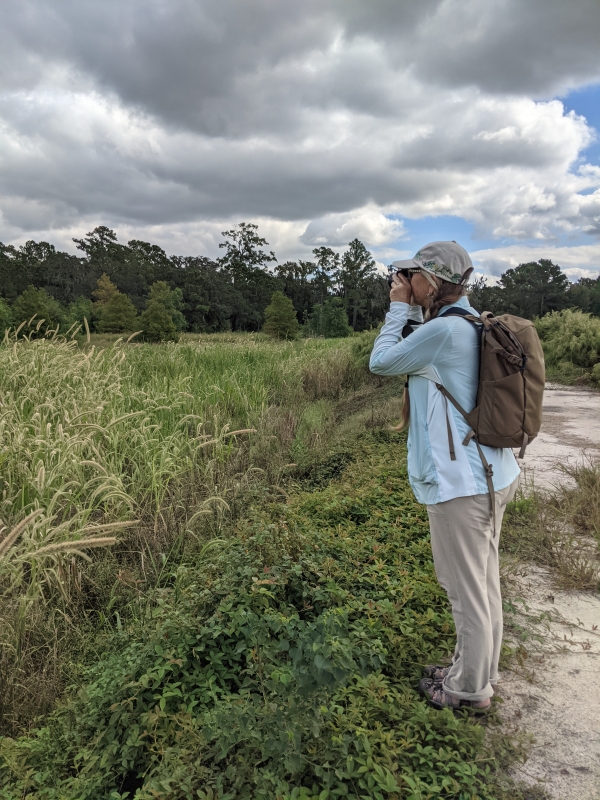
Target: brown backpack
column 508, row 410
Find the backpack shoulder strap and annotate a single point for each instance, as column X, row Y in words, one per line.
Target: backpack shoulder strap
column 456, row 311
column 410, row 327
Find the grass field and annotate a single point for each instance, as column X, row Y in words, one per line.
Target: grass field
column 216, row 582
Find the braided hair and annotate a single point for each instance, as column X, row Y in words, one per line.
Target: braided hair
column 446, row 294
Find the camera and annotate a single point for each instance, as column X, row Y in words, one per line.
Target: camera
column 405, row 272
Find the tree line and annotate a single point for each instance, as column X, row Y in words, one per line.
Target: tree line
column 533, row 289
column 113, row 285
column 204, row 295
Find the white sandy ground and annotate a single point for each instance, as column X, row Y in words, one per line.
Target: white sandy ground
column 570, row 433
column 556, row 695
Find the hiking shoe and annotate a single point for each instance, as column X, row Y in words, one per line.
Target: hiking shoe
column 436, row 671
column 439, row 699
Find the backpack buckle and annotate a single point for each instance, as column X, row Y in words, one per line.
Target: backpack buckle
column 470, row 435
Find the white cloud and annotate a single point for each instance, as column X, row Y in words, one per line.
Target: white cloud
column 322, row 120
column 368, row 224
column 577, row 261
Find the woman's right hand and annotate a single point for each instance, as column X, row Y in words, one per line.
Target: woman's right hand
column 401, row 291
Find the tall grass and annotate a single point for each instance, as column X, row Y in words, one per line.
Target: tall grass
column 140, row 449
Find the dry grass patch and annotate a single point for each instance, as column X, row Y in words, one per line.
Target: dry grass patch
column 560, row 529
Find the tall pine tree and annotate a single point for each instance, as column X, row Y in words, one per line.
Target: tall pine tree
column 357, row 267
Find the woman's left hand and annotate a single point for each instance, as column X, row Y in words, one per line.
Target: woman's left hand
column 401, row 291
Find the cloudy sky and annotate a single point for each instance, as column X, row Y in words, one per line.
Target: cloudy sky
column 396, row 121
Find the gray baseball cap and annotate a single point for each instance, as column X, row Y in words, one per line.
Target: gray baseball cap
column 446, row 260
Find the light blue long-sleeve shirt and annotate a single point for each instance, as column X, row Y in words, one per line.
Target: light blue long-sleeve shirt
column 445, row 351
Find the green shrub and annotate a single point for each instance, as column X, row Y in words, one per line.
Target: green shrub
column 281, row 321
column 570, row 336
column 5, row 317
column 329, row 320
column 157, row 324
column 118, row 315
column 172, row 300
column 105, row 290
column 78, row 310
column 39, row 304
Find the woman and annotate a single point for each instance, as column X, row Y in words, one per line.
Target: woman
column 463, row 541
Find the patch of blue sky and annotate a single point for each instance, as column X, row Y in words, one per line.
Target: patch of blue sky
column 586, row 102
column 417, row 232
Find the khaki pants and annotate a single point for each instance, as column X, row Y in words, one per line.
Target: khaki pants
column 465, row 556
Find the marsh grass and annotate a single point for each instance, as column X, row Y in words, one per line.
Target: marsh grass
column 560, row 529
column 147, row 452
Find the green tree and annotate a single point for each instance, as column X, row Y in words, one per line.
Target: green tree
column 243, row 249
column 247, row 265
column 172, row 300
column 209, row 297
column 103, row 252
column 12, row 280
column 486, row 298
column 280, row 318
column 105, row 290
column 5, row 317
column 77, row 310
column 533, row 289
column 327, row 267
column 357, row 267
column 157, row 324
column 133, row 268
column 103, row 293
column 37, row 303
column 585, row 294
column 329, row 319
column 297, row 285
column 118, row 315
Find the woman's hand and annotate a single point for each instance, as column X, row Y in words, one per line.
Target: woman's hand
column 401, row 291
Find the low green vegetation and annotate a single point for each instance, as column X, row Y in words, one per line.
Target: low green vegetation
column 258, row 626
column 571, row 342
column 278, row 662
column 168, row 438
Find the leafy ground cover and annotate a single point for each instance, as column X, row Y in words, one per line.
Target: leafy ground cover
column 279, row 663
column 258, row 628
column 157, row 446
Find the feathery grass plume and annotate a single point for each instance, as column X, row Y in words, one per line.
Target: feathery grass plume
column 79, row 544
column 12, row 537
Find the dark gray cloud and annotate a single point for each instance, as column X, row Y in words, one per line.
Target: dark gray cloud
column 169, row 112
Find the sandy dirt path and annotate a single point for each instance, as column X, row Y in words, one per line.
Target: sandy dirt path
column 570, row 430
column 560, row 703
